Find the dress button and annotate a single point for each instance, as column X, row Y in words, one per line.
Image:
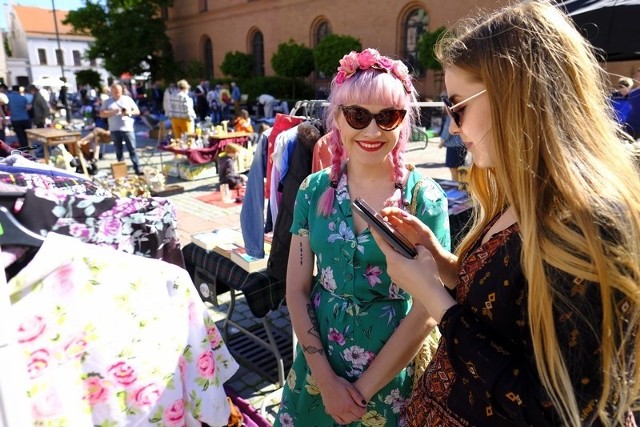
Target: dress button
column 348, row 276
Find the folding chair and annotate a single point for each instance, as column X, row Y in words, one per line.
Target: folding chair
column 149, row 152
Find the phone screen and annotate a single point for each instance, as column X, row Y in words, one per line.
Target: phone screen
column 392, row 236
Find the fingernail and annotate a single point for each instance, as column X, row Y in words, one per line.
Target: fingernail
column 404, row 214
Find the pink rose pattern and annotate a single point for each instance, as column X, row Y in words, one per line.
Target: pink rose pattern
column 174, row 414
column 206, row 364
column 47, row 342
column 371, row 58
column 95, row 390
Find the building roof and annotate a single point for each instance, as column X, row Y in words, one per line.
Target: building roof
column 36, row 20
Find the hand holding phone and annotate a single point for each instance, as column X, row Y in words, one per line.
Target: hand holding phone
column 392, row 236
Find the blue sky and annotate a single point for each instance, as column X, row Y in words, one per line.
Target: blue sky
column 45, row 4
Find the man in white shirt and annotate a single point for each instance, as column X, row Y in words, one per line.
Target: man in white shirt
column 119, row 110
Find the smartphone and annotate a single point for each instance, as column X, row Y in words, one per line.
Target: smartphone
column 390, row 234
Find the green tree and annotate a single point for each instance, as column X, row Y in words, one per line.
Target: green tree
column 331, row 49
column 90, row 77
column 192, row 71
column 426, row 54
column 130, row 35
column 238, row 65
column 293, row 61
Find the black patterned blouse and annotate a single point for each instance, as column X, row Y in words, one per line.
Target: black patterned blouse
column 484, row 373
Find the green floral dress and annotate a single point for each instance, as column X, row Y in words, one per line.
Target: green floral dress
column 357, row 306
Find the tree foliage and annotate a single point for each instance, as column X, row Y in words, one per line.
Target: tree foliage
column 130, row 35
column 238, row 65
column 292, row 60
column 89, row 77
column 426, row 54
column 331, row 49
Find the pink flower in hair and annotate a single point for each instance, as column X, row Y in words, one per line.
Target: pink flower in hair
column 341, row 77
column 370, row 58
column 400, row 70
column 349, row 63
column 367, row 58
column 385, row 62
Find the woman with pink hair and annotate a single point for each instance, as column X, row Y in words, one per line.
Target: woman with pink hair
column 357, row 332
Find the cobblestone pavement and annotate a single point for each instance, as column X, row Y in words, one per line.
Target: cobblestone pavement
column 195, row 216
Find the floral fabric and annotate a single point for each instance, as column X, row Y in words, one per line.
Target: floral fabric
column 356, row 305
column 109, row 338
column 143, row 226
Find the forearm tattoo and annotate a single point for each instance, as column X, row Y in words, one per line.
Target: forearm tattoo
column 301, row 253
column 312, row 350
column 315, row 331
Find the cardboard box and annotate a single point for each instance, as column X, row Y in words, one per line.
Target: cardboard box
column 191, row 172
column 119, row 169
column 171, row 168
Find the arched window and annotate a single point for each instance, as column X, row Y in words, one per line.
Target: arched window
column 257, row 49
column 323, row 29
column 416, row 23
column 207, row 55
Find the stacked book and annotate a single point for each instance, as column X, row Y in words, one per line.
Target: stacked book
column 228, row 243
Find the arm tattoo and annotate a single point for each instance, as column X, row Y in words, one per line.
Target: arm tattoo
column 312, row 350
column 315, row 331
column 301, row 253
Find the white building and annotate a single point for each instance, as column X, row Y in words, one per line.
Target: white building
column 36, row 52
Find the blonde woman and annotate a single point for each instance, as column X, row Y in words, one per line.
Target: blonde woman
column 538, row 307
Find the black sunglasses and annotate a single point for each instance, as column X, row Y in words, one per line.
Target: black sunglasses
column 359, row 118
column 451, row 109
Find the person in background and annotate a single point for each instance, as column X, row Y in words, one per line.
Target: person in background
column 168, row 92
column 63, row 99
column 538, row 307
column 225, row 102
column 201, row 105
column 632, row 121
column 157, row 99
column 620, row 100
column 236, row 95
column 242, row 122
column 227, row 169
column 4, row 106
column 268, row 103
column 357, row 333
column 215, row 105
column 39, row 108
column 181, row 111
column 20, row 120
column 119, row 110
column 456, row 151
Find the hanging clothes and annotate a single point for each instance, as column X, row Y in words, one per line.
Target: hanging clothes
column 252, row 221
column 299, row 168
column 112, row 338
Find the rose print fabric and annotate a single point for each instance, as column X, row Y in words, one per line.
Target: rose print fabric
column 356, row 305
column 110, row 338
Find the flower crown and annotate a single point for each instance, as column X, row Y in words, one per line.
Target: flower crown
column 371, row 58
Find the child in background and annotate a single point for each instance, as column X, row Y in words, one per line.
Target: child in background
column 242, row 122
column 226, row 167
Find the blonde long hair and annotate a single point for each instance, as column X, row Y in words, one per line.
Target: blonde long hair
column 560, row 163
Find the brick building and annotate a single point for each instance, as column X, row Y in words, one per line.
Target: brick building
column 206, row 30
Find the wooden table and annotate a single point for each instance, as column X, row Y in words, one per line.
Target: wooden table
column 222, row 139
column 217, row 142
column 51, row 136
